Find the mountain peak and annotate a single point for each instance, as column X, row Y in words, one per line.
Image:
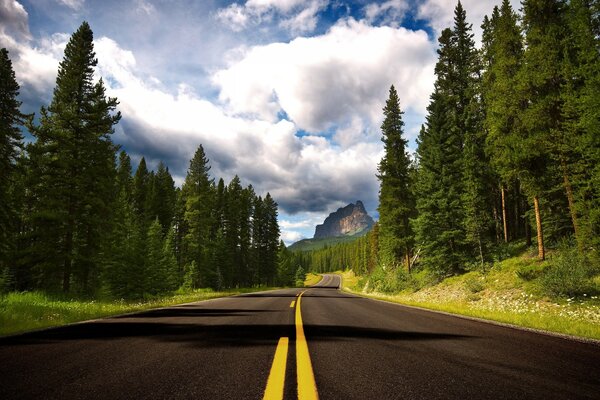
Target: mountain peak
column 346, row 221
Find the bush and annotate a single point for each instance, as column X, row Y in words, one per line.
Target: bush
column 474, row 284
column 390, row 280
column 570, row 274
column 529, row 272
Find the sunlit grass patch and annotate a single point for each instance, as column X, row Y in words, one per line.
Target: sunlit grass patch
column 312, row 279
column 511, row 292
column 20, row 312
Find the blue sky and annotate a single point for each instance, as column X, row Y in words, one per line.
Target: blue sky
column 287, row 94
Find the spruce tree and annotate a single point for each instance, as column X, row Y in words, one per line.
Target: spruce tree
column 198, row 191
column 73, row 171
column 439, row 227
column 540, row 80
column 271, row 239
column 11, row 119
column 396, row 203
column 501, row 96
column 580, row 150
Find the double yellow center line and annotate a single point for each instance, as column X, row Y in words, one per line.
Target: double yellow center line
column 307, row 388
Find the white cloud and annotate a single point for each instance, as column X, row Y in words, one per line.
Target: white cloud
column 305, row 20
column 290, row 237
column 301, row 173
column 13, row 21
column 73, row 4
column 330, row 79
column 295, row 15
column 234, row 16
column 391, row 11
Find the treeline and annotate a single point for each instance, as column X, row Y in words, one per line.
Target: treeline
column 510, row 148
column 360, row 255
column 75, row 219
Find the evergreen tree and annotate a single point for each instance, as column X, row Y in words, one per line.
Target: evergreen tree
column 501, row 95
column 579, row 152
column 540, row 80
column 10, row 142
column 198, row 191
column 73, row 171
column 396, row 203
column 271, row 239
column 141, row 189
column 439, row 226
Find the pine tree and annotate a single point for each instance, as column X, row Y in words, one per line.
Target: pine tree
column 271, row 239
column 161, row 197
column 439, row 226
column 580, row 149
column 198, row 191
column 73, row 171
column 540, row 80
column 396, row 203
column 11, row 119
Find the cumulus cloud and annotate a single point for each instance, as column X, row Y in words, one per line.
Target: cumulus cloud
column 294, row 15
column 35, row 63
column 13, row 21
column 302, row 173
column 298, row 119
column 327, row 80
column 390, row 12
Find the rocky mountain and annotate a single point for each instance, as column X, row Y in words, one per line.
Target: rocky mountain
column 351, row 220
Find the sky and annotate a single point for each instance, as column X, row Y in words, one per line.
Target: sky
column 286, row 94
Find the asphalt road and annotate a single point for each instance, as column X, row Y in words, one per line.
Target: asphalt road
column 358, row 349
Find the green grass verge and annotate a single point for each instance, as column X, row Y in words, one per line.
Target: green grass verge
column 498, row 296
column 21, row 312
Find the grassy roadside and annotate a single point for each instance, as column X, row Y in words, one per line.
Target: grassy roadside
column 499, row 295
column 21, row 312
column 312, row 279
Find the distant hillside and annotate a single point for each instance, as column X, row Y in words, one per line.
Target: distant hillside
column 351, row 220
column 316, row 244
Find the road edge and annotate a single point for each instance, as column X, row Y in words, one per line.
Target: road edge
column 574, row 338
column 47, row 328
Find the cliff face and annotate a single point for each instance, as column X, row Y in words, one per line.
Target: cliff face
column 346, row 221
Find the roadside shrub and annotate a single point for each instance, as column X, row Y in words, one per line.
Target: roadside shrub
column 570, row 274
column 529, row 272
column 474, row 284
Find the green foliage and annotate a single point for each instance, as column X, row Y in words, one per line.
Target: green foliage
column 85, row 226
column 474, row 283
column 570, row 274
column 396, row 201
column 300, row 277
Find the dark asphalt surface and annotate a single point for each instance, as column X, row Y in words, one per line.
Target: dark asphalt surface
column 360, row 349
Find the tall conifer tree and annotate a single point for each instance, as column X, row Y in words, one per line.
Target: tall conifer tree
column 396, row 203
column 73, row 170
column 10, row 141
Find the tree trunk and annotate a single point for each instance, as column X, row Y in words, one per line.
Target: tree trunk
column 480, row 249
column 504, row 219
column 569, row 190
column 538, row 222
column 516, row 230
column 496, row 225
column 407, row 259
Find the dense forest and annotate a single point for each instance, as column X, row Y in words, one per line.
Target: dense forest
column 75, row 219
column 510, row 150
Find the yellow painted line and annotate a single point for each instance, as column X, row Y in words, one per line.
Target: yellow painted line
column 293, row 304
column 307, row 388
column 276, row 381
